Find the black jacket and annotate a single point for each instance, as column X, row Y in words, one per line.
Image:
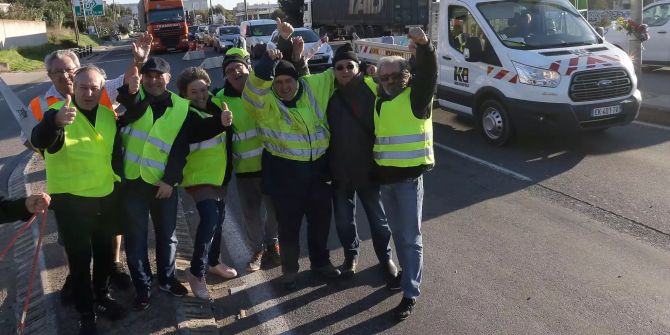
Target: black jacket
column 13, row 210
column 351, row 122
column 423, row 86
column 194, row 129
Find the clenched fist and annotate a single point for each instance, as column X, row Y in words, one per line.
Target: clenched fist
column 66, row 114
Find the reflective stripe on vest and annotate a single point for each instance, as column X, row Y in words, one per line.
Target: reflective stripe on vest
column 83, row 165
column 207, row 162
column 246, row 139
column 401, row 139
column 147, row 143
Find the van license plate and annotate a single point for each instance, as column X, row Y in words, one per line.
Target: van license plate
column 604, row 111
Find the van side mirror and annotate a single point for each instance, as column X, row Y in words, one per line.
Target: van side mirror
column 473, row 50
column 600, row 31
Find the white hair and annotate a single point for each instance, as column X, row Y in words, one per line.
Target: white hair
column 60, row 54
column 390, row 60
column 91, row 68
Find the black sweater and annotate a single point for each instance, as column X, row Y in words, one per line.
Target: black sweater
column 423, row 86
column 13, row 210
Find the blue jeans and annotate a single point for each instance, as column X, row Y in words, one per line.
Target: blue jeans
column 140, row 201
column 207, row 245
column 344, row 203
column 404, row 202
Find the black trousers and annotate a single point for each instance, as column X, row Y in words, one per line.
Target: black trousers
column 316, row 205
column 86, row 226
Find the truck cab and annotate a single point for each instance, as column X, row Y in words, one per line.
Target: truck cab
column 516, row 64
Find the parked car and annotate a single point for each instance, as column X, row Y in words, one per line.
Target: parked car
column 200, row 34
column 226, row 37
column 210, row 37
column 656, row 51
column 321, row 59
column 191, row 32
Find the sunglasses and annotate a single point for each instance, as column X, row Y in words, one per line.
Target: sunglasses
column 395, row 76
column 342, row 67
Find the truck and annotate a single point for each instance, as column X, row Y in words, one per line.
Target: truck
column 518, row 65
column 165, row 20
column 364, row 18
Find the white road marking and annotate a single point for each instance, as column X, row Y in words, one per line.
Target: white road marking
column 487, row 164
column 652, row 125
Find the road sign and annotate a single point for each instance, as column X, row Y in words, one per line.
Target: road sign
column 91, row 7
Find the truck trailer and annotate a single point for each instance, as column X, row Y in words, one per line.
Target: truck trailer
column 365, row 18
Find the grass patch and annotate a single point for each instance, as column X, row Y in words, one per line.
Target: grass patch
column 32, row 58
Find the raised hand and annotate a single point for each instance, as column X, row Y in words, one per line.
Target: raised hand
column 274, row 54
column 418, row 36
column 38, row 203
column 142, row 47
column 132, row 77
column 66, row 114
column 226, row 116
column 298, row 47
column 285, row 29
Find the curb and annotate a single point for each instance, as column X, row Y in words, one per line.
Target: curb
column 655, row 114
column 38, row 320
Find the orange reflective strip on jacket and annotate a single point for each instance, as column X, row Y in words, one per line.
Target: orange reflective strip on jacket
column 38, row 105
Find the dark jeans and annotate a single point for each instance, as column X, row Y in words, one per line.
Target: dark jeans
column 344, row 202
column 86, row 230
column 316, row 205
column 207, row 245
column 140, row 201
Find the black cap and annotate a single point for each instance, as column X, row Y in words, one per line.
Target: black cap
column 156, row 64
column 234, row 58
column 286, row 68
column 345, row 51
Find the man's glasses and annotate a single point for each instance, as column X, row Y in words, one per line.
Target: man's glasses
column 341, row 67
column 63, row 72
column 396, row 76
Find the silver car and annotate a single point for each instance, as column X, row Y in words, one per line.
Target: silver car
column 226, row 37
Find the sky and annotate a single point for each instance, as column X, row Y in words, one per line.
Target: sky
column 227, row 4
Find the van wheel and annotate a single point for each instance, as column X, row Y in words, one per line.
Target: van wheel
column 494, row 123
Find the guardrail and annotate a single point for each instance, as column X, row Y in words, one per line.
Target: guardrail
column 83, row 51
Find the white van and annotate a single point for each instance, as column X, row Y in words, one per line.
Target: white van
column 518, row 64
column 257, row 33
column 656, row 51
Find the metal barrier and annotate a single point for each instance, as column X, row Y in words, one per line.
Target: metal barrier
column 83, row 51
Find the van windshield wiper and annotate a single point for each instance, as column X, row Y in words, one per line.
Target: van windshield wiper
column 520, row 43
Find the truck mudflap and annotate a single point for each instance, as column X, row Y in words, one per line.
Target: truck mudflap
column 531, row 116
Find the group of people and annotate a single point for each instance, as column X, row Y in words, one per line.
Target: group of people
column 300, row 145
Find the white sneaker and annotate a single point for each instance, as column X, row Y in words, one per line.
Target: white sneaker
column 223, row 270
column 198, row 285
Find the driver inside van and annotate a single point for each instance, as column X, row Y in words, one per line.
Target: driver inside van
column 520, row 25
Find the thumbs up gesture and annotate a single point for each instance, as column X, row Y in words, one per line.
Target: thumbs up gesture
column 66, row 114
column 133, row 80
column 226, row 116
column 285, row 29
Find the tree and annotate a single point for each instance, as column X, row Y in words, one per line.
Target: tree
column 218, row 9
column 293, row 11
column 278, row 13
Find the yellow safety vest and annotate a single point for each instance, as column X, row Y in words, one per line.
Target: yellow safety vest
column 247, row 145
column 206, row 163
column 83, row 165
column 148, row 144
column 401, row 139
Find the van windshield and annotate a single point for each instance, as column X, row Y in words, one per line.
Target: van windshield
column 537, row 25
column 261, row 30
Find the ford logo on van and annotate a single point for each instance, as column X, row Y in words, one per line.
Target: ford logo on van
column 604, row 83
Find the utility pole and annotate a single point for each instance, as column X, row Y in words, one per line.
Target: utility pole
column 635, row 44
column 246, row 14
column 76, row 25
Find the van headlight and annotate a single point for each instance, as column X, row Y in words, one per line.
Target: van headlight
column 537, row 77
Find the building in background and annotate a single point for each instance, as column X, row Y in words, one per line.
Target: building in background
column 257, row 11
column 190, row 5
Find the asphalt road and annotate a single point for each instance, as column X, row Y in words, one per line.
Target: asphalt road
column 551, row 235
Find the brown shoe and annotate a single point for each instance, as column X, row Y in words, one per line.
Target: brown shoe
column 255, row 263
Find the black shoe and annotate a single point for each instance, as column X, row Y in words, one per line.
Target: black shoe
column 393, row 283
column 119, row 278
column 87, row 325
column 349, row 267
column 142, row 301
column 328, row 271
column 175, row 288
column 66, row 293
column 390, row 270
column 110, row 308
column 274, row 254
column 290, row 281
column 404, row 309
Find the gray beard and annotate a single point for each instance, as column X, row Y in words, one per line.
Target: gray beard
column 394, row 92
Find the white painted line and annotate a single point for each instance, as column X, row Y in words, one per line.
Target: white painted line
column 484, row 163
column 652, row 125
